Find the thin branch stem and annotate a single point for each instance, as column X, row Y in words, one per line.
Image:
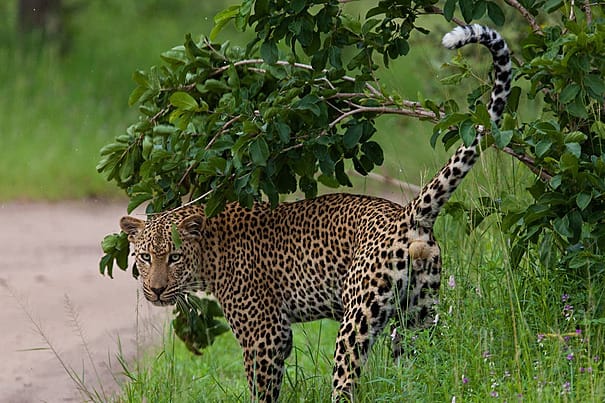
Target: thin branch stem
column 222, row 69
column 417, row 113
column 527, row 15
column 530, row 163
column 587, row 11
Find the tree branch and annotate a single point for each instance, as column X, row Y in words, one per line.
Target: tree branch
column 527, row 15
column 388, row 104
column 417, row 113
column 530, row 163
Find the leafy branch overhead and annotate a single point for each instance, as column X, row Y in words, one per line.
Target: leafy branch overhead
column 216, row 117
column 297, row 106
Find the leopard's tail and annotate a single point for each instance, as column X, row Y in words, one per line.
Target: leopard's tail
column 435, row 194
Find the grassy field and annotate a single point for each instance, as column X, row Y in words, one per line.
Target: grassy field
column 505, row 333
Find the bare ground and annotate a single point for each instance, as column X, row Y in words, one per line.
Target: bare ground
column 51, row 291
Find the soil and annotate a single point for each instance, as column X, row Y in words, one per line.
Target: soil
column 54, row 298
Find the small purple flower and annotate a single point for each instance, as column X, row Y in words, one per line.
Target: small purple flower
column 494, row 394
column 564, row 298
column 578, row 332
column 566, row 387
column 541, row 337
column 452, row 282
column 464, row 380
column 569, row 357
column 596, row 358
column 582, row 369
column 589, row 370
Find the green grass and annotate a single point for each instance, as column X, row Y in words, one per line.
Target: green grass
column 58, row 111
column 504, row 333
column 488, row 344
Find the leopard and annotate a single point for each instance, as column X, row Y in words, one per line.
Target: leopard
column 356, row 259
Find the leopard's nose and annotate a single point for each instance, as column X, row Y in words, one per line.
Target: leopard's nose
column 158, row 291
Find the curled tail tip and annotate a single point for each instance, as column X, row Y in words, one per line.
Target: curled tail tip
column 455, row 38
column 462, row 35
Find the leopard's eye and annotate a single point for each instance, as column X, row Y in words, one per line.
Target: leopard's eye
column 174, row 257
column 145, row 257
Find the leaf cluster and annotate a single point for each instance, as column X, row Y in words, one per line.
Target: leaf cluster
column 196, row 323
column 565, row 67
column 213, row 120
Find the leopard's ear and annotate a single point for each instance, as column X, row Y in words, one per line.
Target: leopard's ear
column 131, row 226
column 191, row 227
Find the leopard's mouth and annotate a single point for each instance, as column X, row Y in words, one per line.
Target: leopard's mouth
column 164, row 302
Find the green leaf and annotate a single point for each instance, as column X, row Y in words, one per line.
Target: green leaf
column 448, row 9
column 269, row 52
column 259, row 151
column 583, row 200
column 577, row 108
column 184, row 101
column 175, row 236
column 467, row 132
column 222, row 18
column 373, row 151
column 575, row 137
column 308, row 186
column 285, row 181
column 352, row 135
column 341, row 176
column 284, row 132
column 543, row 147
column 137, row 200
column 569, row 93
column 574, row 149
column 215, row 204
column 595, row 85
column 479, row 9
column 164, row 129
column 466, row 8
column 552, row 5
column 568, row 162
column 495, row 13
column 503, row 138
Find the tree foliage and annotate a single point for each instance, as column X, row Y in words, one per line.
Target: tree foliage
column 220, row 123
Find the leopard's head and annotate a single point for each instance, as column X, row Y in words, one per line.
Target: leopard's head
column 167, row 271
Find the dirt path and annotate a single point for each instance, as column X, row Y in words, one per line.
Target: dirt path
column 49, row 256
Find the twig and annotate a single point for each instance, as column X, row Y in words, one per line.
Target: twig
column 303, row 66
column 587, row 10
column 530, row 163
column 417, row 113
column 223, row 130
column 405, row 186
column 527, row 15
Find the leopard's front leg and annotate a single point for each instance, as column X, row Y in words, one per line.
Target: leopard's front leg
column 266, row 344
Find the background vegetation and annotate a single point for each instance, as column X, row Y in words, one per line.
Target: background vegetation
column 510, row 329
